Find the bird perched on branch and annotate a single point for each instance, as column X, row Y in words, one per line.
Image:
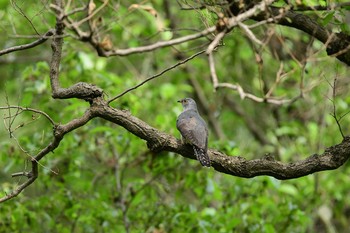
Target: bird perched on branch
column 194, row 130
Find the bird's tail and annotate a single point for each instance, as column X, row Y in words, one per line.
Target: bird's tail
column 202, row 156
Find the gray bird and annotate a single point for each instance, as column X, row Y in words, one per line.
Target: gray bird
column 194, row 130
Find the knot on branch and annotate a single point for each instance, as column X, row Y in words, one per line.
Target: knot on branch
column 269, row 157
column 79, row 90
column 346, row 139
column 58, row 132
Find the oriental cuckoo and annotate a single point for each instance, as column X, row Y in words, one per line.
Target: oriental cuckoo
column 194, row 130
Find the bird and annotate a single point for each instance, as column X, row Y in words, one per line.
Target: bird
column 194, row 130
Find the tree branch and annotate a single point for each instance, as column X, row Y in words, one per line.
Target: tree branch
column 160, row 44
column 331, row 159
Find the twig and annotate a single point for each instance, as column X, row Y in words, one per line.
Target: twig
column 80, row 9
column 216, row 41
column 160, row 44
column 26, row 174
column 244, row 95
column 249, row 33
column 232, row 22
column 9, row 126
column 20, row 188
column 279, row 76
column 155, row 76
column 213, row 75
column 31, row 110
column 105, row 2
column 249, row 13
column 20, row 11
column 334, row 114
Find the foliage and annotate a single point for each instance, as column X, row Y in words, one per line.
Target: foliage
column 103, row 179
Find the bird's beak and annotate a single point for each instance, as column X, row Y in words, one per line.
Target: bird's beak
column 179, row 101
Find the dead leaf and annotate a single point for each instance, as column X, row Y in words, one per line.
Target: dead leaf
column 92, row 7
column 146, row 8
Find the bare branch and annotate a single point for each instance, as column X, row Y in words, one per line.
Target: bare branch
column 80, row 9
column 26, row 174
column 213, row 75
column 244, row 95
column 279, row 76
column 160, row 44
column 334, row 114
column 41, row 40
column 249, row 33
column 216, row 41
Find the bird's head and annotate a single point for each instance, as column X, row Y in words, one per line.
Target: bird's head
column 188, row 103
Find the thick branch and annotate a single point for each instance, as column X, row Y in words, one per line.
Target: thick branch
column 332, row 158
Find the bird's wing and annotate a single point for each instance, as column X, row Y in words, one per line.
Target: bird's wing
column 193, row 128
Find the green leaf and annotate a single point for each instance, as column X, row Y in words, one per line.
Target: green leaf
column 288, row 189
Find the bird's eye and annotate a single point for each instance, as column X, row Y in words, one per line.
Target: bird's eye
column 185, row 101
